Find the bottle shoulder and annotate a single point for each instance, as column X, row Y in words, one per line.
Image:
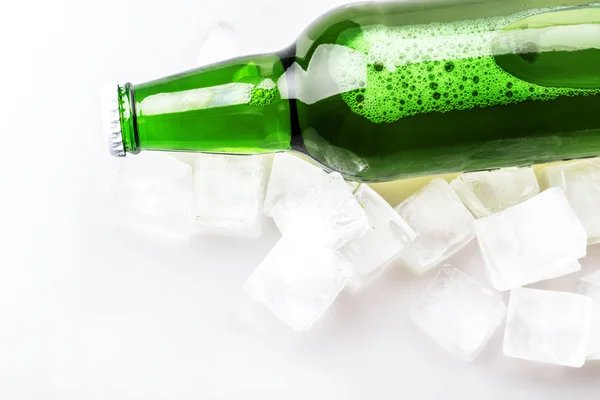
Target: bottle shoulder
column 335, row 25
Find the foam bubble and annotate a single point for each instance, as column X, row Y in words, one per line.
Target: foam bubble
column 423, row 64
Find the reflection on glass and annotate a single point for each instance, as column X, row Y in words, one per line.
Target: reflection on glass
column 196, row 99
column 333, row 69
column 557, row 48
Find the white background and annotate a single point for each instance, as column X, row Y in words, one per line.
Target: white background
column 89, row 312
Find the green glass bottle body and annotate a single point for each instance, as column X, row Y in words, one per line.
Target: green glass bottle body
column 380, row 91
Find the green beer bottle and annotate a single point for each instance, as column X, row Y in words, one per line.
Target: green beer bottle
column 380, row 91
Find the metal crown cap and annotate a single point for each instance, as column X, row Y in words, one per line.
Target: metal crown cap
column 111, row 119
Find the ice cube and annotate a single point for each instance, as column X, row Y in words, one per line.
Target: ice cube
column 353, row 186
column 549, row 327
column 590, row 286
column 298, row 283
column 459, row 313
column 388, row 234
column 488, row 192
column 442, row 223
column 229, row 193
column 324, row 214
column 185, row 157
column 221, row 43
column 581, row 182
column 536, row 240
column 153, row 195
column 289, row 174
column 593, row 279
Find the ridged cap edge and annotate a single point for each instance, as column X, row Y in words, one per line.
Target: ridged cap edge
column 111, row 120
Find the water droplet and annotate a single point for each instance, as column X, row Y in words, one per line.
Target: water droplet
column 437, row 96
column 419, row 102
column 433, row 85
column 378, row 67
column 476, row 79
column 360, row 98
column 475, row 93
column 509, row 94
column 509, row 85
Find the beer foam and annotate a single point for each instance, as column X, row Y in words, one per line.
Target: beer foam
column 438, row 67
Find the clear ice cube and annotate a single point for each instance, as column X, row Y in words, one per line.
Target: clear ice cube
column 581, row 182
column 323, row 214
column 442, row 223
column 590, row 286
column 489, row 192
column 549, row 327
column 388, row 234
column 536, row 240
column 228, row 190
column 289, row 174
column 459, row 313
column 298, row 283
column 229, row 194
column 593, row 279
column 153, row 195
column 353, row 185
column 220, row 43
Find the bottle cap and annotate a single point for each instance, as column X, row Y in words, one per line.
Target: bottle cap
column 112, row 120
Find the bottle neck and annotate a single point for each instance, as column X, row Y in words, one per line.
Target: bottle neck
column 233, row 107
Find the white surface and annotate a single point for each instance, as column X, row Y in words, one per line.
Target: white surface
column 88, row 312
